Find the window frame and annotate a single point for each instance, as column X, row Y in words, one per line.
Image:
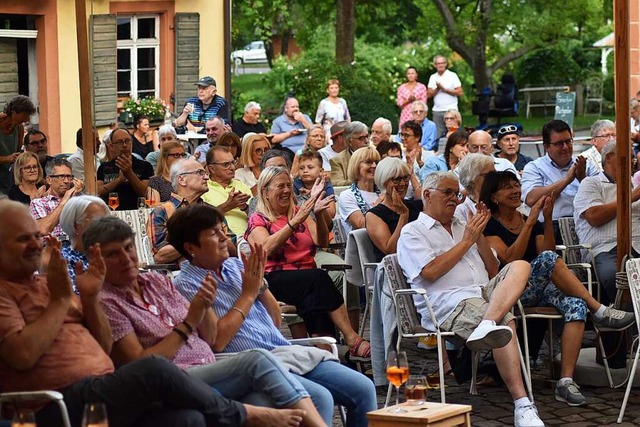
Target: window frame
column 133, row 44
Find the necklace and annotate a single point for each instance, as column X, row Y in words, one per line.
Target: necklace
column 515, row 227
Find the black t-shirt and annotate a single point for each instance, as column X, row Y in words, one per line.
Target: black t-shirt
column 108, row 172
column 391, row 219
column 140, row 148
column 495, row 228
column 16, row 194
column 241, row 128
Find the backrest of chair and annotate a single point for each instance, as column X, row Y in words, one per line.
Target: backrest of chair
column 594, row 88
column 365, row 246
column 570, row 237
column 137, row 220
column 406, row 312
column 339, row 235
column 633, row 274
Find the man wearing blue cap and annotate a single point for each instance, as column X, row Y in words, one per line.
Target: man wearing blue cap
column 198, row 109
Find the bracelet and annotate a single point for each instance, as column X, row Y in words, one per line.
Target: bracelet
column 188, row 326
column 291, row 226
column 239, row 311
column 182, row 335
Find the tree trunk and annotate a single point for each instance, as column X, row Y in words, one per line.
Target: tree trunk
column 345, row 31
column 284, row 46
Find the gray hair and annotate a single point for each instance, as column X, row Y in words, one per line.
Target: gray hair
column 251, row 105
column 106, row 230
column 434, row 178
column 419, row 103
column 609, row 148
column 470, row 167
column 179, row 166
column 76, row 210
column 353, row 128
column 386, row 124
column 167, row 129
column 56, row 163
column 599, row 125
column 634, row 103
column 388, row 168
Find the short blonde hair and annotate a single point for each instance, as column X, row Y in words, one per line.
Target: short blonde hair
column 390, row 167
column 247, row 149
column 161, row 166
column 361, row 155
column 333, row 82
column 21, row 161
column 263, row 206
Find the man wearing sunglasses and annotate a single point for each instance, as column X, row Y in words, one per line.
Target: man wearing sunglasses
column 228, row 194
column 558, row 173
column 62, row 186
column 509, row 144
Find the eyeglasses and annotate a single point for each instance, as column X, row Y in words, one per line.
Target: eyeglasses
column 606, row 136
column 177, row 155
column 449, row 193
column 42, row 141
column 62, row 177
column 406, row 135
column 449, row 118
column 418, row 111
column 507, row 129
column 30, row 168
column 122, row 141
column 259, row 150
column 225, row 165
column 399, row 179
column 320, row 136
column 200, row 172
column 560, row 144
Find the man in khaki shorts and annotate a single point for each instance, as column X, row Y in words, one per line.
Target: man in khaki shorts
column 452, row 260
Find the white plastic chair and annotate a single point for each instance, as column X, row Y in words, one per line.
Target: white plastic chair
column 365, row 270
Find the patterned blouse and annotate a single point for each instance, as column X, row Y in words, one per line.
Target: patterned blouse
column 298, row 251
column 419, row 92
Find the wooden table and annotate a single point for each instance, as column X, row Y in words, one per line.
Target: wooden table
column 428, row 414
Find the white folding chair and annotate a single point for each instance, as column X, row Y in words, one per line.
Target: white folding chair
column 365, row 270
column 18, row 398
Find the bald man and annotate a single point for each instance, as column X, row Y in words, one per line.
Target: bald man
column 480, row 142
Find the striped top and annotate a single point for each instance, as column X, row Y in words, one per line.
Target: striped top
column 258, row 330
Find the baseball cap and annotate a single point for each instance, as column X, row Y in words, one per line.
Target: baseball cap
column 507, row 130
column 338, row 128
column 206, row 81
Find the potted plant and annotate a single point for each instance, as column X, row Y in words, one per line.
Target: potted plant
column 154, row 108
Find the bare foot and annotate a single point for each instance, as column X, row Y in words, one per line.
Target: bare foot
column 269, row 417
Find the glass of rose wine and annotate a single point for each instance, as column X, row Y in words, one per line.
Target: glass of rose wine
column 397, row 374
column 114, row 201
column 23, row 419
column 150, row 198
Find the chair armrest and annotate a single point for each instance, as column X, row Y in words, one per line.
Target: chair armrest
column 313, row 341
column 336, row 267
column 27, row 396
column 411, row 291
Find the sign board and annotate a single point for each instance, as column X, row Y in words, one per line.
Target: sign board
column 566, row 107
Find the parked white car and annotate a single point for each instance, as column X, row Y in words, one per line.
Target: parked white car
column 253, row 52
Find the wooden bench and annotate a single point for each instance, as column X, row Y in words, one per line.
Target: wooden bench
column 428, row 414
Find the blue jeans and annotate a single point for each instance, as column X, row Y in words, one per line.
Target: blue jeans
column 254, row 371
column 345, row 387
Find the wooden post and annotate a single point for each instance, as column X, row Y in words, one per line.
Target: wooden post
column 623, row 171
column 86, row 100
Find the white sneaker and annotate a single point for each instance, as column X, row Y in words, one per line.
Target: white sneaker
column 488, row 336
column 527, row 416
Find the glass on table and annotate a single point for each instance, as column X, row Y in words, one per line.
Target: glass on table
column 416, row 390
column 95, row 415
column 23, row 419
column 142, row 203
column 397, row 374
column 114, row 201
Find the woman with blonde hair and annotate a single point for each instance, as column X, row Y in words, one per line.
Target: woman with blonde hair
column 160, row 184
column 253, row 149
column 27, row 173
column 363, row 194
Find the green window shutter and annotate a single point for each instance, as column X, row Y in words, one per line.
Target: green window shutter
column 104, row 60
column 8, row 70
column 187, row 28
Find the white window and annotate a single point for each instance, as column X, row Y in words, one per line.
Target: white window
column 138, row 56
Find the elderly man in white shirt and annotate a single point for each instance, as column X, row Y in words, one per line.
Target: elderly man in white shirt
column 595, row 218
column 602, row 131
column 453, row 261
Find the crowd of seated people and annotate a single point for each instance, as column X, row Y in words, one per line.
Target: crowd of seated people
column 276, row 194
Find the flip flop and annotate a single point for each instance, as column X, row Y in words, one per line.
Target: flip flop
column 357, row 353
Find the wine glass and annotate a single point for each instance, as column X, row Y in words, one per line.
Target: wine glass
column 95, row 415
column 142, row 203
column 416, row 390
column 397, row 374
column 150, row 200
column 114, row 201
column 23, row 419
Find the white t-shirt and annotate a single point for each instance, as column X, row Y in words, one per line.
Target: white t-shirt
column 245, row 175
column 347, row 205
column 443, row 101
column 327, row 154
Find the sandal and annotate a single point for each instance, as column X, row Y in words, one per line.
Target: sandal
column 360, row 351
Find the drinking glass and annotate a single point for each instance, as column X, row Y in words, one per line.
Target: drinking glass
column 150, row 200
column 416, row 390
column 95, row 415
column 142, row 203
column 397, row 374
column 114, row 201
column 23, row 419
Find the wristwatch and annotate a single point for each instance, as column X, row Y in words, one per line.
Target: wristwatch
column 264, row 287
